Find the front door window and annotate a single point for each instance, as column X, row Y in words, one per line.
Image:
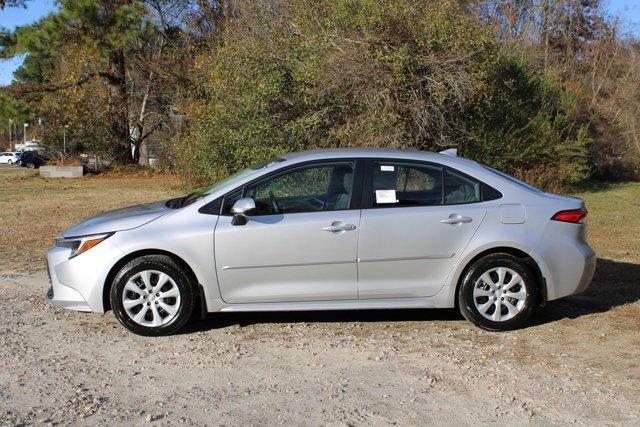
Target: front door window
column 311, row 188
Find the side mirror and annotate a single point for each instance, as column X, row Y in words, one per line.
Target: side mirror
column 242, row 209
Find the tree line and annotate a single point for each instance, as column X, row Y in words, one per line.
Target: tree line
column 547, row 90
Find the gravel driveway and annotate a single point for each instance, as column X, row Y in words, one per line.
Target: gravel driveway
column 577, row 364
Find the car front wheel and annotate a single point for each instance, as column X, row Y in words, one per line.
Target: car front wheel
column 498, row 292
column 152, row 295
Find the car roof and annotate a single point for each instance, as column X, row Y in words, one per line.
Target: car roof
column 470, row 167
column 446, row 159
column 358, row 152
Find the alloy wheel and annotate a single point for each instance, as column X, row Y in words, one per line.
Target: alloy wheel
column 499, row 294
column 151, row 298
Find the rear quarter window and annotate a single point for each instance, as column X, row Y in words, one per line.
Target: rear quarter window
column 460, row 189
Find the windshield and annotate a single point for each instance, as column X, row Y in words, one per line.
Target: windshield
column 180, row 202
column 512, row 179
column 230, row 180
column 239, row 176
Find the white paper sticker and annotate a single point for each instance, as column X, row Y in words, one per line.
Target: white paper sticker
column 386, row 196
column 386, row 168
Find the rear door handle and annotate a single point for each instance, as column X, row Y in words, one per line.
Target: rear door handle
column 456, row 219
column 338, row 226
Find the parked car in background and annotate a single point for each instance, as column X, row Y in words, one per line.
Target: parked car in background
column 331, row 230
column 33, row 159
column 9, row 157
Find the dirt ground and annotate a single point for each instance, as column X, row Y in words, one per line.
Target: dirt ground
column 578, row 361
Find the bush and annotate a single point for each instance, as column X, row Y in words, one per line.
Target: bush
column 66, row 160
column 294, row 75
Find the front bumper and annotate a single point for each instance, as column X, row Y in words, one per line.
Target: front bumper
column 78, row 283
column 66, row 297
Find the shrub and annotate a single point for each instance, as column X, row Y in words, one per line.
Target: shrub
column 294, row 75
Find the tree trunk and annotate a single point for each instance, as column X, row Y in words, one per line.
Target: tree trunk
column 138, row 135
column 143, row 158
column 119, row 108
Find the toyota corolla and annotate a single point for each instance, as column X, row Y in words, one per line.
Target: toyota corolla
column 331, row 230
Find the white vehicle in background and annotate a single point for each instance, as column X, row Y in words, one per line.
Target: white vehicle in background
column 9, row 157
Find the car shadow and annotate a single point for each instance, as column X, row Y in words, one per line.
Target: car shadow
column 615, row 283
column 222, row 320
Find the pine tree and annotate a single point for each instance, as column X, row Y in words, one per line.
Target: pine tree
column 100, row 29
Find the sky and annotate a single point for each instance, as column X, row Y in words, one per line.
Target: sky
column 627, row 10
column 11, row 18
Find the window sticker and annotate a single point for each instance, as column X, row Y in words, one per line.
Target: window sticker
column 386, row 196
column 386, row 168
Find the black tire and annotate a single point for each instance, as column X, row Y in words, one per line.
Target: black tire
column 484, row 264
column 164, row 264
column 30, row 165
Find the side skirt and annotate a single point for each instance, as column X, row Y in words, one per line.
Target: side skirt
column 444, row 299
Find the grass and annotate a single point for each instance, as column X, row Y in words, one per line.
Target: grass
column 34, row 210
column 613, row 220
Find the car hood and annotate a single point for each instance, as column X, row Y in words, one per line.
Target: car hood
column 118, row 220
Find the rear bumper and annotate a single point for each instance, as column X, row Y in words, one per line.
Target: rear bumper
column 588, row 271
column 567, row 265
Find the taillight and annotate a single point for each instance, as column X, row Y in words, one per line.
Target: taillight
column 574, row 216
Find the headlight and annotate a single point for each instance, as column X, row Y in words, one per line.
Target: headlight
column 81, row 244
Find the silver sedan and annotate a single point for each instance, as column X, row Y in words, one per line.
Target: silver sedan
column 331, row 230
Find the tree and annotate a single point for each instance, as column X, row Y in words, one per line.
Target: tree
column 12, row 3
column 139, row 51
column 584, row 50
column 367, row 73
column 100, row 30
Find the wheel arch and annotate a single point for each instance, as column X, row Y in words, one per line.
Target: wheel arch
column 106, row 289
column 516, row 252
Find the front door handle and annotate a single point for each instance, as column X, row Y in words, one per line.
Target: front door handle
column 339, row 226
column 456, row 219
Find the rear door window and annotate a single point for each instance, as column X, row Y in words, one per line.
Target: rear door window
column 399, row 184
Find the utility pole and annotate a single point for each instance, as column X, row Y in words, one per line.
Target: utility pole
column 64, row 139
column 11, row 135
column 24, row 132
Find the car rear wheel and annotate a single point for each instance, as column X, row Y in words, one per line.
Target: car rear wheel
column 498, row 292
column 152, row 295
column 30, row 165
